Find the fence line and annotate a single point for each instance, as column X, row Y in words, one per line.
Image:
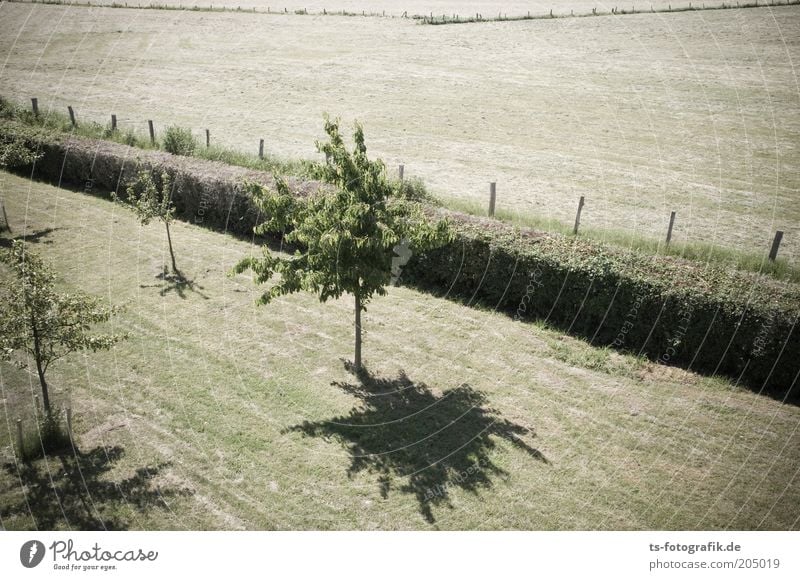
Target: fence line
column 431, row 18
column 773, row 253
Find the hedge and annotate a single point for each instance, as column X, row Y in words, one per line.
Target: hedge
column 674, row 311
column 206, row 192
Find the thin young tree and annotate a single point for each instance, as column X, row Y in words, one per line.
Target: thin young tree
column 345, row 233
column 40, row 322
column 149, row 201
column 14, row 152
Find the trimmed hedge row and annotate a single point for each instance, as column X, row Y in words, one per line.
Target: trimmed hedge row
column 670, row 310
column 674, row 311
column 206, row 192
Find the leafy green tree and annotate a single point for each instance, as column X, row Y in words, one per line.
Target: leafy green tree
column 41, row 322
column 345, row 234
column 149, row 201
column 14, row 152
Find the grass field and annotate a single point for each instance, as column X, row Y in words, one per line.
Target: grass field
column 217, row 414
column 642, row 115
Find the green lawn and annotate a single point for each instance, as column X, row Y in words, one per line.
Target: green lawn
column 217, row 414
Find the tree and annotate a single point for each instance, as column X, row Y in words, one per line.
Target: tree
column 14, row 152
column 42, row 322
column 149, row 201
column 345, row 234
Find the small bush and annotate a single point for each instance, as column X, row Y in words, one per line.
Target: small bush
column 7, row 109
column 129, row 138
column 18, row 149
column 413, row 190
column 179, row 141
column 50, row 437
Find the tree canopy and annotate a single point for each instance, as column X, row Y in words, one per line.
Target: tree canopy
column 39, row 321
column 150, row 201
column 345, row 234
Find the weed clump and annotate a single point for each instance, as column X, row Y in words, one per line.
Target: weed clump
column 179, row 141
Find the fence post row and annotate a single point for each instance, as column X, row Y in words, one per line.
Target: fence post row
column 773, row 254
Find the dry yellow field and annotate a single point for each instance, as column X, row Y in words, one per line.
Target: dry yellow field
column 487, row 8
column 695, row 112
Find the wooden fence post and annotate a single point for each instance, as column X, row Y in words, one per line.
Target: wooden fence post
column 492, row 197
column 152, row 132
column 776, row 243
column 113, row 122
column 401, row 169
column 35, row 106
column 208, row 138
column 669, row 230
column 261, row 149
column 72, row 116
column 578, row 216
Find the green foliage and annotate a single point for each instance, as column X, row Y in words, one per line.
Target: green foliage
column 269, row 163
column 179, row 141
column 40, row 322
column 490, row 263
column 17, row 150
column 129, row 138
column 413, row 189
column 345, row 233
column 7, row 109
column 619, row 240
column 672, row 311
column 149, row 200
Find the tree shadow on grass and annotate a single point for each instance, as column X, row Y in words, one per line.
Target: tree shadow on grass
column 72, row 490
column 34, row 237
column 401, row 429
column 177, row 283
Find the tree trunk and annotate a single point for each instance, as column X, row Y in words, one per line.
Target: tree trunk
column 6, row 225
column 45, row 395
column 37, row 353
column 357, row 361
column 171, row 253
